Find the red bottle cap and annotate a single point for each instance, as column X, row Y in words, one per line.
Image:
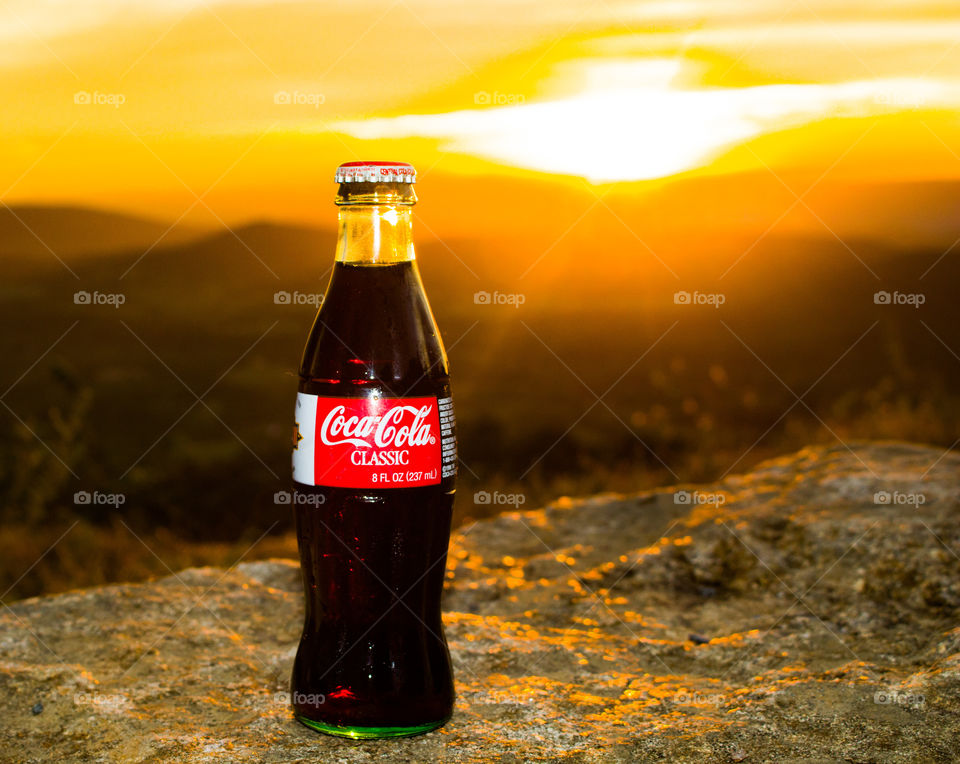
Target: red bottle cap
column 376, row 172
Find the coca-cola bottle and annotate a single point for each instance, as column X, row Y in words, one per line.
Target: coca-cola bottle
column 374, row 465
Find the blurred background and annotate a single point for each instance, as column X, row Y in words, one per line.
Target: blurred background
column 664, row 240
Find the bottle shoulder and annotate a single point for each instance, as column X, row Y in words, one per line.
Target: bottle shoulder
column 374, row 331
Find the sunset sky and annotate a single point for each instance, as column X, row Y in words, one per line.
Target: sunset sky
column 145, row 106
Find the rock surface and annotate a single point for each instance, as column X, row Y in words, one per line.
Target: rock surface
column 806, row 611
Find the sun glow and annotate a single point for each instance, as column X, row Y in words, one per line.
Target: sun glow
column 631, row 121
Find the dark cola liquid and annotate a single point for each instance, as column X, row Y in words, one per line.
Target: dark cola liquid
column 373, row 655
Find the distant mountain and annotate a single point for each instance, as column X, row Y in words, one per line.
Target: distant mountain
column 29, row 230
column 260, row 247
column 691, row 224
column 802, row 298
column 588, row 269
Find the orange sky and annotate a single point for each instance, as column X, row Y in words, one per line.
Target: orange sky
column 144, row 106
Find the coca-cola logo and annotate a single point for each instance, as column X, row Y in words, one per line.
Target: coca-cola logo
column 373, row 441
column 399, row 427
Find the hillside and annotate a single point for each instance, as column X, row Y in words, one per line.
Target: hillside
column 70, row 232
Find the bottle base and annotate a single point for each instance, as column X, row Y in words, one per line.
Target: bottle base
column 368, row 733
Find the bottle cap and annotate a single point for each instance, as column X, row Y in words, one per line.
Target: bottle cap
column 376, row 172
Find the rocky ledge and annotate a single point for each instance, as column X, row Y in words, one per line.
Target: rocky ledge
column 806, row 611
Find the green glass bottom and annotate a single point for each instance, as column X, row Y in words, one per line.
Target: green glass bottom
column 368, row 733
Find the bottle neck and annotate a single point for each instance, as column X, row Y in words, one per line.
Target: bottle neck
column 376, row 223
column 375, row 234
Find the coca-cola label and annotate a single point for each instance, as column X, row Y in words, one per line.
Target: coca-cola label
column 369, row 442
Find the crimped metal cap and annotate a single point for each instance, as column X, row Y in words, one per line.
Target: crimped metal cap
column 376, row 172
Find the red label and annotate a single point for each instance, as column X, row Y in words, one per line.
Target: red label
column 367, row 442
